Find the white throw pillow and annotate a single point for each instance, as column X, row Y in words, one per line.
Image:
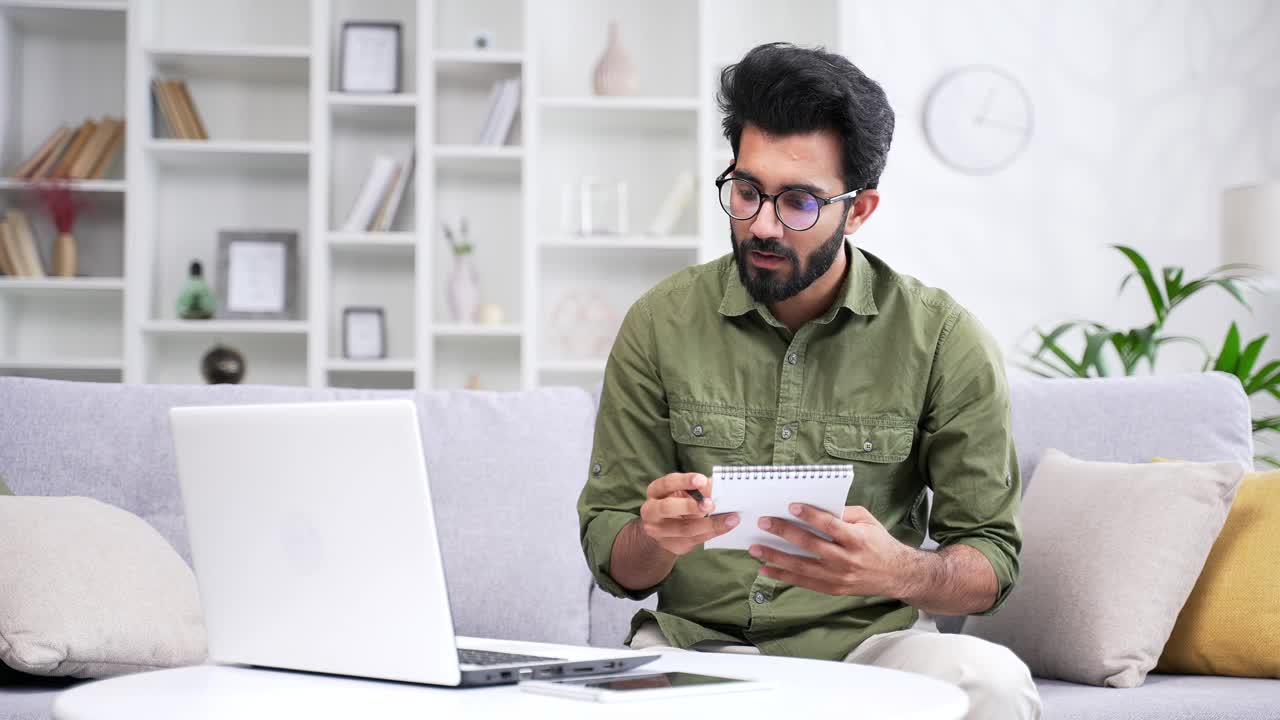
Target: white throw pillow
column 1110, row 554
column 90, row 590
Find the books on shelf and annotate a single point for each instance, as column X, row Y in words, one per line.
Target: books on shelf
column 88, row 152
column 174, row 112
column 18, row 254
column 673, row 205
column 381, row 196
column 504, row 100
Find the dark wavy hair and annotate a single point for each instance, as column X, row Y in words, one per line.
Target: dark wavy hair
column 784, row 90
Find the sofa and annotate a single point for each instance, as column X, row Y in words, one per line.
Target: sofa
column 506, row 469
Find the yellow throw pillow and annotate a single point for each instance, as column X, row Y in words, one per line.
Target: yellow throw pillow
column 1231, row 623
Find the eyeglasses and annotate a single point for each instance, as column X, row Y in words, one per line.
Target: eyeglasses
column 797, row 209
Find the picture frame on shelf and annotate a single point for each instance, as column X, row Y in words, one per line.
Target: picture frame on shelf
column 364, row 333
column 257, row 274
column 370, row 57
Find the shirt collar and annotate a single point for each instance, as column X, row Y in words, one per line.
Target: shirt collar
column 855, row 294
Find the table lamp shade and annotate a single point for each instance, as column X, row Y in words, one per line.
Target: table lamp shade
column 1251, row 225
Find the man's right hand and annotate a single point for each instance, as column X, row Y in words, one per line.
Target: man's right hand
column 673, row 519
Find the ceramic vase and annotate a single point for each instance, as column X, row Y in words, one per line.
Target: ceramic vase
column 615, row 74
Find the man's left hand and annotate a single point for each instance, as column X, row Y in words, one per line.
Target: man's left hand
column 861, row 559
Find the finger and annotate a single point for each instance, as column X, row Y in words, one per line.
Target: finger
column 677, row 507
column 680, row 528
column 798, row 580
column 858, row 514
column 793, row 563
column 798, row 536
column 722, row 524
column 822, row 520
column 670, row 484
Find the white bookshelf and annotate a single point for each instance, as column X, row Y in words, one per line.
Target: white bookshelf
column 289, row 151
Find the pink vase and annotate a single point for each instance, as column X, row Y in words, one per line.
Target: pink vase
column 464, row 290
column 615, row 74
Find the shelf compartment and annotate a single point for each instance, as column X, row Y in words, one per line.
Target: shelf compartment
column 389, row 365
column 59, row 286
column 242, row 154
column 463, row 330
column 226, row 327
column 623, row 242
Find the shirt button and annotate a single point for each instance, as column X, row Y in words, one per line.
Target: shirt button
column 759, row 598
column 596, row 469
column 793, row 358
column 786, row 433
column 698, row 431
column 867, row 446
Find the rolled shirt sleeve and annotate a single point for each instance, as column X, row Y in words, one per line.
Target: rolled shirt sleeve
column 967, row 453
column 632, row 446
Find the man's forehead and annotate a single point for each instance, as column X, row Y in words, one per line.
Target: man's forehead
column 797, row 159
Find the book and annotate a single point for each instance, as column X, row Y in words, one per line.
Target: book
column 82, row 168
column 6, row 266
column 22, row 245
column 504, row 113
column 173, row 116
column 51, row 160
column 678, row 197
column 392, row 206
column 109, row 154
column 372, row 193
column 495, row 94
column 756, row 491
column 74, row 149
column 161, row 128
column 194, row 122
column 25, row 170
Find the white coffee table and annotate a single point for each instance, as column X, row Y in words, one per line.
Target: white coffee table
column 826, row 689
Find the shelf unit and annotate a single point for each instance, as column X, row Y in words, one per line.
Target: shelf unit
column 289, row 151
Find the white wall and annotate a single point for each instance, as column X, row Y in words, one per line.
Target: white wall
column 1144, row 112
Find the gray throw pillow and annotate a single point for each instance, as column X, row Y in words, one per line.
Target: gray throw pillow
column 91, row 591
column 1110, row 554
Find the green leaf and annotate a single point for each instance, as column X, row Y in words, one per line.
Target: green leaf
column 1095, row 343
column 1268, row 460
column 1250, row 356
column 1267, row 423
column 1229, row 358
column 1051, row 344
column 1158, row 303
column 1268, row 377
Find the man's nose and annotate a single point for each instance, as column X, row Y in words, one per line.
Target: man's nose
column 766, row 223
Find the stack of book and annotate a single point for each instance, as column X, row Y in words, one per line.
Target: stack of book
column 71, row 153
column 504, row 100
column 18, row 254
column 376, row 206
column 174, row 113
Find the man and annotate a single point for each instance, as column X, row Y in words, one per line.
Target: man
column 798, row 348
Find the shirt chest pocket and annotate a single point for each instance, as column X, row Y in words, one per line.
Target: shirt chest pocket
column 879, row 453
column 706, row 438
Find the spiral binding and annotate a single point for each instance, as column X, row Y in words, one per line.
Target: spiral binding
column 780, row 472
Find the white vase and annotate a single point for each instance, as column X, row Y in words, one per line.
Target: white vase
column 464, row 290
column 615, row 74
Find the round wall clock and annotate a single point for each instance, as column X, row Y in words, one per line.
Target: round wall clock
column 978, row 119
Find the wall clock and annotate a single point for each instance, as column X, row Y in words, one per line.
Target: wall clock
column 978, row 119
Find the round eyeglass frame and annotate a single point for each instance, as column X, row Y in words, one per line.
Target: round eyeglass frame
column 822, row 202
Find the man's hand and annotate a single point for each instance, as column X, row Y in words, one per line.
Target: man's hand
column 677, row 522
column 863, row 559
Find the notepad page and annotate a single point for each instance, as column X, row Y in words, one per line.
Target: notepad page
column 756, row 491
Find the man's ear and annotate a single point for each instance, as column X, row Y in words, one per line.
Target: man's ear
column 863, row 205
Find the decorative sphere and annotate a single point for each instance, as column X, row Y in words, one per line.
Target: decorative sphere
column 222, row 365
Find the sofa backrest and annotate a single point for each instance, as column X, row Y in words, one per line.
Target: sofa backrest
column 505, row 471
column 1196, row 417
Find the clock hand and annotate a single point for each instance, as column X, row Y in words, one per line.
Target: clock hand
column 986, row 106
column 1001, row 125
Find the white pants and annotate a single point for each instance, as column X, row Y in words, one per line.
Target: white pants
column 998, row 684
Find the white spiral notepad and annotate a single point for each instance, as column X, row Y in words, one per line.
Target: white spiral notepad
column 756, row 491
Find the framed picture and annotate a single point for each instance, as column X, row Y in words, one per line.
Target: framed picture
column 369, row 58
column 364, row 333
column 257, row 274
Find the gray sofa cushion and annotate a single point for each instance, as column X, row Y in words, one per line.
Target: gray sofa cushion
column 1164, row 697
column 505, row 471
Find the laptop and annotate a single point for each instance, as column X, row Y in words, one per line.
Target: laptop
column 314, row 546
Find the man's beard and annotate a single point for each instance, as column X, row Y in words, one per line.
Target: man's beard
column 773, row 286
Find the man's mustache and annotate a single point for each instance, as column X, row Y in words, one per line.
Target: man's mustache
column 773, row 247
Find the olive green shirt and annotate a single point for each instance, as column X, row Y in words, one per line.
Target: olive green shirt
column 896, row 379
